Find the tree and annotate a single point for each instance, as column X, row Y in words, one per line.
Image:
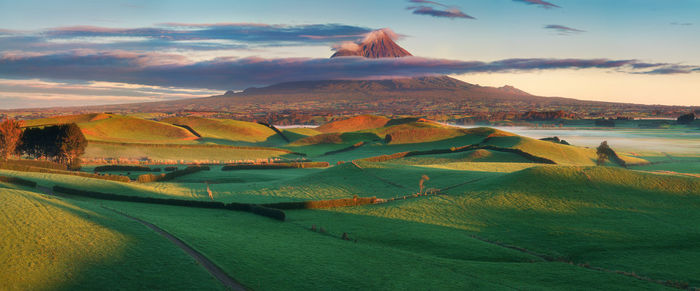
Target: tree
column 62, row 143
column 10, row 137
column 686, row 118
column 71, row 145
column 603, row 152
column 423, row 179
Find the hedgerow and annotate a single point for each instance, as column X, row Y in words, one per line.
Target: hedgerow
column 122, row 168
column 275, row 166
column 172, row 175
column 17, row 181
column 252, row 208
column 24, row 168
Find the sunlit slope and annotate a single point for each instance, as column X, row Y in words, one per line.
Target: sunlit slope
column 50, row 244
column 222, row 130
column 79, row 118
column 608, row 217
column 559, row 153
column 135, row 130
column 362, row 122
column 118, row 128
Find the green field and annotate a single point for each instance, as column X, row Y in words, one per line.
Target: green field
column 495, row 219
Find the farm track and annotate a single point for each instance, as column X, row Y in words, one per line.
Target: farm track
column 210, row 266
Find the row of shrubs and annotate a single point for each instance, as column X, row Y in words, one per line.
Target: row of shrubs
column 25, row 168
column 196, row 146
column 356, row 201
column 275, row 166
column 345, row 149
column 172, row 175
column 17, row 181
column 519, row 152
column 125, row 168
column 253, row 208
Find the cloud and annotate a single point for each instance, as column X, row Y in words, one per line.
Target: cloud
column 239, row 73
column 541, row 3
column 195, row 36
column 682, row 23
column 563, row 30
column 42, row 93
column 428, row 2
column 444, row 10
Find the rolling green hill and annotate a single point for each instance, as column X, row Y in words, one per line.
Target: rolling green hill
column 227, row 130
column 54, row 244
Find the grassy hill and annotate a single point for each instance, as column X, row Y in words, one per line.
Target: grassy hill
column 54, row 244
column 227, row 130
column 79, row 118
column 118, row 128
column 606, row 217
column 357, row 123
column 135, row 130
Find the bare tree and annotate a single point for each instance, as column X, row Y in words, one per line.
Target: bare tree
column 10, row 135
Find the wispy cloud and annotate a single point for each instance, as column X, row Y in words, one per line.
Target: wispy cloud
column 563, row 30
column 541, row 3
column 238, row 73
column 41, row 93
column 194, row 36
column 682, row 23
column 445, row 11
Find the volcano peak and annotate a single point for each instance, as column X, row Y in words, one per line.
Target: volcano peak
column 376, row 44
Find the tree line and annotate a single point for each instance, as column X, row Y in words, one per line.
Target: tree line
column 63, row 143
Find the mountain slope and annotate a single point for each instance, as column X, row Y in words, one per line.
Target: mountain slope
column 377, row 44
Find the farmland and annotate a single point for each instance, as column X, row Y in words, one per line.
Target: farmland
column 494, row 210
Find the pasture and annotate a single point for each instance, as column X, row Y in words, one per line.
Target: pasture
column 445, row 218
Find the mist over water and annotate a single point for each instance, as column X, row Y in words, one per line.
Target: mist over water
column 650, row 141
column 677, row 141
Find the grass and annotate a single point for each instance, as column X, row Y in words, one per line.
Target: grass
column 229, row 131
column 607, row 217
column 134, row 130
column 395, row 260
column 79, row 118
column 56, row 244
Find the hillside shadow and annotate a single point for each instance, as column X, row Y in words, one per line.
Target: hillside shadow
column 129, row 259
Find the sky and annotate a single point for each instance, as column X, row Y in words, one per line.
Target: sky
column 70, row 52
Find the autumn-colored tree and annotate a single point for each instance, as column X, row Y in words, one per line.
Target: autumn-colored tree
column 422, row 181
column 10, row 135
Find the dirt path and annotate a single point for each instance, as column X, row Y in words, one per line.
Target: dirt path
column 212, row 268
